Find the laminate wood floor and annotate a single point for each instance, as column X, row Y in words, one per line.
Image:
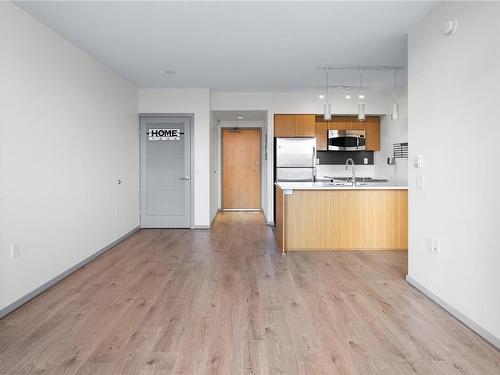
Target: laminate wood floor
column 225, row 301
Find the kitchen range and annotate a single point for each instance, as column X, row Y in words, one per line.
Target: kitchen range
column 334, row 212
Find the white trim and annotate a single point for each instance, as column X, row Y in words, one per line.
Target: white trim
column 42, row 288
column 263, row 147
column 473, row 326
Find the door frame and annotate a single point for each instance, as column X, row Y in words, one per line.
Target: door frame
column 222, row 167
column 193, row 176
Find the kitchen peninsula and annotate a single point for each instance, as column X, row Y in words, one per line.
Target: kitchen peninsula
column 324, row 216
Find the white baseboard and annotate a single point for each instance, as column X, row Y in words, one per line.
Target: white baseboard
column 485, row 334
column 202, row 227
column 42, row 288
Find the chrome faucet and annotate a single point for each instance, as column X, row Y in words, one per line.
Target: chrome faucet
column 353, row 170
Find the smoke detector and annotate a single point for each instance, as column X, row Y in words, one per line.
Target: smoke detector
column 450, row 26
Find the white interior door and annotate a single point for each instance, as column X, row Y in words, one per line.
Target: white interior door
column 166, row 172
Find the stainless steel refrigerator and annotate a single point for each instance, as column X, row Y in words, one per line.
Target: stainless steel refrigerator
column 295, row 159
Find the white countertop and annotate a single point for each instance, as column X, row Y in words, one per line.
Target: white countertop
column 326, row 185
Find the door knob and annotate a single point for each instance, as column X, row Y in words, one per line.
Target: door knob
column 186, row 178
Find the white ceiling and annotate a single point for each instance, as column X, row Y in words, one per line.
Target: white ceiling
column 237, row 46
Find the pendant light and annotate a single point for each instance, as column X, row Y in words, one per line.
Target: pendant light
column 361, row 111
column 327, row 110
column 361, row 96
column 395, row 106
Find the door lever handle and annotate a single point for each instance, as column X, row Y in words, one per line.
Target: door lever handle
column 186, row 178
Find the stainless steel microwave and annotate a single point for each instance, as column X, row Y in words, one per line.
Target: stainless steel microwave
column 346, row 140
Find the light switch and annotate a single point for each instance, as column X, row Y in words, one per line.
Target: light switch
column 14, row 251
column 419, row 162
column 421, row 182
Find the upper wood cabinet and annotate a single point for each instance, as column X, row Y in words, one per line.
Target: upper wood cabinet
column 284, row 125
column 294, row 126
column 372, row 133
column 316, row 126
column 371, row 126
column 305, row 125
column 354, row 124
column 321, row 135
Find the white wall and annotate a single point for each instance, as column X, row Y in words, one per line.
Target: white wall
column 307, row 102
column 393, row 131
column 197, row 102
column 214, row 166
column 454, row 123
column 68, row 131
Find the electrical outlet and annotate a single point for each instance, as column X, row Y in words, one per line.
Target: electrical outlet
column 14, row 251
column 365, row 160
column 433, row 245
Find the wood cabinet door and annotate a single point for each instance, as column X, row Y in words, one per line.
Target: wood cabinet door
column 372, row 133
column 352, row 123
column 284, row 125
column 321, row 135
column 305, row 125
column 337, row 123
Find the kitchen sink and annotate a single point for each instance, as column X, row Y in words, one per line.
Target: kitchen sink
column 341, row 183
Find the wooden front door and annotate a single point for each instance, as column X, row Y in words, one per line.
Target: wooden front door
column 240, row 168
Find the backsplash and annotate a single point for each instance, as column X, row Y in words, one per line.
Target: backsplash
column 339, row 157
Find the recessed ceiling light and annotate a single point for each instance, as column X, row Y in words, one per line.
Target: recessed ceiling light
column 169, row 71
column 239, row 117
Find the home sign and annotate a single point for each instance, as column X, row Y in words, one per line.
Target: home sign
column 164, row 134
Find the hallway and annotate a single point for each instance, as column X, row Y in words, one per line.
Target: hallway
column 225, row 301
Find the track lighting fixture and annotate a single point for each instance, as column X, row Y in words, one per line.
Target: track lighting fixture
column 361, row 93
